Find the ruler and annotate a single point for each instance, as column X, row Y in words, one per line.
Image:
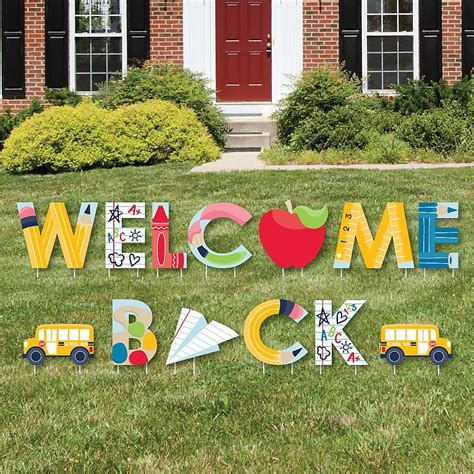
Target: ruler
column 354, row 226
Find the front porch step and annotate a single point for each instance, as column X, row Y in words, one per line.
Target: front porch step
column 243, row 141
column 250, row 132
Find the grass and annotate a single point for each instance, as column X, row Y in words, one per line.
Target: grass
column 231, row 417
column 385, row 149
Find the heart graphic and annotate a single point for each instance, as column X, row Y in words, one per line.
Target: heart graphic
column 134, row 259
column 340, row 318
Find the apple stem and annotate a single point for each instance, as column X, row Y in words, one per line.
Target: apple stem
column 289, row 206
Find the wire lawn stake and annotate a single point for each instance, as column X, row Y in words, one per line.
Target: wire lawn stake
column 34, row 369
column 194, row 366
column 181, row 273
column 341, row 274
column 394, row 370
column 302, row 272
column 118, row 369
column 108, row 272
column 292, row 369
column 137, row 272
column 174, row 368
column 406, row 272
column 355, row 369
column 79, row 367
column 235, row 272
column 263, row 368
column 439, row 370
column 206, row 271
column 424, row 272
column 37, row 273
column 283, row 273
column 146, row 369
column 157, row 273
column 74, row 272
column 320, row 370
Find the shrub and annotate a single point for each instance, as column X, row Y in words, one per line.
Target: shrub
column 62, row 97
column 74, row 138
column 387, row 148
column 8, row 121
column 314, row 91
column 344, row 126
column 442, row 130
column 166, row 82
column 418, row 96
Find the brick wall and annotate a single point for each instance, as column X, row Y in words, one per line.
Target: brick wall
column 34, row 55
column 321, row 33
column 166, row 28
column 452, row 40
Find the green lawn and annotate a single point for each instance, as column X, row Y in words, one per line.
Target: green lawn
column 231, row 417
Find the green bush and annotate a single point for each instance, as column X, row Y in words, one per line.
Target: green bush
column 62, row 97
column 344, row 126
column 418, row 96
column 75, row 138
column 442, row 130
column 313, row 92
column 387, row 148
column 9, row 121
column 166, row 82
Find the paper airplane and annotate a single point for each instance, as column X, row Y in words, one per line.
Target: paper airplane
column 194, row 337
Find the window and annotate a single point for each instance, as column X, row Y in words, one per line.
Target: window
column 63, row 335
column 98, row 42
column 390, row 43
column 73, row 334
column 389, row 334
column 85, row 335
column 400, row 334
column 433, row 335
column 411, row 334
column 41, row 335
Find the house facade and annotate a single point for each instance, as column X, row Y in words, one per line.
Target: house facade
column 248, row 49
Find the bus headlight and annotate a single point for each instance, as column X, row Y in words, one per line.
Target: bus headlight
column 25, row 344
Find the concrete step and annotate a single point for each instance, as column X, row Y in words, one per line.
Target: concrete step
column 250, row 124
column 243, row 141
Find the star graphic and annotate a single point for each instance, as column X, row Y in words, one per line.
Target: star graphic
column 323, row 317
column 115, row 214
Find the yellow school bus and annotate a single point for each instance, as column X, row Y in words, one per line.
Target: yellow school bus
column 60, row 340
column 398, row 341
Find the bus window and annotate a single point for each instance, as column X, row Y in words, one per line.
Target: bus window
column 63, row 335
column 84, row 334
column 48, row 334
column 74, row 334
column 425, row 335
column 433, row 335
column 411, row 334
column 400, row 334
column 389, row 334
column 420, row 335
column 41, row 335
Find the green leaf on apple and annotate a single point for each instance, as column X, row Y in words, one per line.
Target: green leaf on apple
column 312, row 218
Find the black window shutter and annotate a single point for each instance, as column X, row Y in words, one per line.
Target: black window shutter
column 467, row 36
column 350, row 35
column 138, row 18
column 13, row 49
column 56, row 53
column 431, row 54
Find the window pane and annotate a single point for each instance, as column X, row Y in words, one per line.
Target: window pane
column 62, row 335
column 115, row 24
column 98, row 24
column 82, row 24
column 115, row 63
column 389, row 334
column 374, row 44
column 374, row 62
column 406, row 43
column 374, row 23
column 99, row 45
column 389, row 78
column 374, row 6
column 41, row 335
column 405, row 6
column 74, row 334
column 390, row 62
column 406, row 62
column 84, row 334
column 411, row 334
column 390, row 23
column 406, row 23
column 400, row 334
column 390, row 44
column 99, row 63
column 390, row 6
column 83, row 45
column 83, row 7
column 405, row 76
column 82, row 63
column 375, row 81
column 98, row 79
column 83, row 83
column 115, row 45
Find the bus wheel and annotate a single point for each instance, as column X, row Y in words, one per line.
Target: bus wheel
column 35, row 356
column 79, row 356
column 395, row 356
column 439, row 356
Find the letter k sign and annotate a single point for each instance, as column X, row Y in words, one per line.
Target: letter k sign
column 330, row 332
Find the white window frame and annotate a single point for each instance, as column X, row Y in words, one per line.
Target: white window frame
column 416, row 47
column 72, row 43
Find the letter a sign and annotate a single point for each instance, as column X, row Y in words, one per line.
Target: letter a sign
column 330, row 332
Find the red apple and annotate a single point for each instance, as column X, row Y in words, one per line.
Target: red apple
column 293, row 238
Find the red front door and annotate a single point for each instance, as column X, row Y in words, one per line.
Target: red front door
column 243, row 50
